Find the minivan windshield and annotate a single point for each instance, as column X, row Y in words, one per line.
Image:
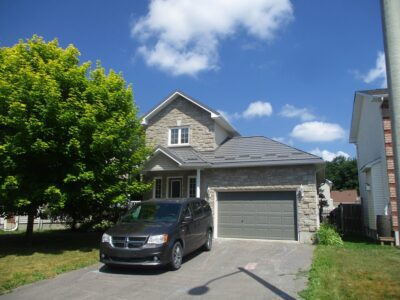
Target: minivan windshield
column 153, row 212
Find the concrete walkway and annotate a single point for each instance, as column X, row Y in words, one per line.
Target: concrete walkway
column 234, row 269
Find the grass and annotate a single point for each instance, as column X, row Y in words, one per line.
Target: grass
column 51, row 253
column 357, row 270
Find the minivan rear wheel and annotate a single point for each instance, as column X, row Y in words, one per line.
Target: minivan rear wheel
column 208, row 244
column 176, row 256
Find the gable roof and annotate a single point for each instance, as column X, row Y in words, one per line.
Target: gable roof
column 184, row 156
column 241, row 152
column 359, row 98
column 219, row 119
column 258, row 151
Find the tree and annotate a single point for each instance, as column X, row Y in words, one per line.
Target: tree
column 70, row 138
column 343, row 173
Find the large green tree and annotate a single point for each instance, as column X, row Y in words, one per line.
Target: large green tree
column 70, row 138
column 343, row 173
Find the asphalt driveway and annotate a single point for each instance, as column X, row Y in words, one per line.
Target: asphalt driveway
column 234, row 269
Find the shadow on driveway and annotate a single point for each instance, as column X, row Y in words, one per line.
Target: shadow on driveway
column 203, row 289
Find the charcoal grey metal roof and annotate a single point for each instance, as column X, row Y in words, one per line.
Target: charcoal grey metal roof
column 243, row 152
column 186, row 155
column 258, row 150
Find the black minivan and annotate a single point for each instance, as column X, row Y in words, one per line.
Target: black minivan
column 158, row 232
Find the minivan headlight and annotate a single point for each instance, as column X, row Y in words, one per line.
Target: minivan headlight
column 158, row 239
column 106, row 238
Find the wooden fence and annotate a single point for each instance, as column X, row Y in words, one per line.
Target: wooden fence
column 347, row 218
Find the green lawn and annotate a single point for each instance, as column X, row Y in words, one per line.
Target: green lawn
column 51, row 253
column 358, row 270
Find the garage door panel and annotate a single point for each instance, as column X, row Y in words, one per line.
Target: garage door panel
column 258, row 215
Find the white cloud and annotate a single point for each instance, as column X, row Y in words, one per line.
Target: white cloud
column 228, row 116
column 289, row 111
column 258, row 109
column 182, row 37
column 327, row 155
column 378, row 73
column 318, row 132
column 255, row 109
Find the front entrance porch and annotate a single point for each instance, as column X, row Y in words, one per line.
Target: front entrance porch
column 174, row 184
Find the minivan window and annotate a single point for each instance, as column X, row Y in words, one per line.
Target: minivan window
column 206, row 207
column 197, row 209
column 188, row 212
column 153, row 212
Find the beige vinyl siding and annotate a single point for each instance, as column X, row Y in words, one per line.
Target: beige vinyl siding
column 378, row 190
column 161, row 163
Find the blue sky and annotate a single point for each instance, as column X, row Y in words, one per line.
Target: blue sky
column 282, row 69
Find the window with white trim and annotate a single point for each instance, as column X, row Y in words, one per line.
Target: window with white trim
column 157, row 188
column 179, row 136
column 192, row 187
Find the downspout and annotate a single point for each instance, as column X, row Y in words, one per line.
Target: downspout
column 391, row 33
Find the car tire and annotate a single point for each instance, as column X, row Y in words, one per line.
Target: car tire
column 208, row 245
column 176, row 256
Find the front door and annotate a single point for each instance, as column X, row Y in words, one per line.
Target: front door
column 175, row 188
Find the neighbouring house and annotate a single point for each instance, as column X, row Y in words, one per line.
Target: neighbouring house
column 325, row 196
column 345, row 197
column 371, row 132
column 21, row 222
column 258, row 188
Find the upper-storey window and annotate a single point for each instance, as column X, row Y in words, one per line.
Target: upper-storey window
column 179, row 136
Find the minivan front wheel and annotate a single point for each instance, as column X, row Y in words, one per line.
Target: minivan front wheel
column 208, row 244
column 176, row 256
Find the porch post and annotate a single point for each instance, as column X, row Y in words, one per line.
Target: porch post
column 198, row 183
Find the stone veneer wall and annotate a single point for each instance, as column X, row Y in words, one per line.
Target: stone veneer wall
column 269, row 179
column 202, row 127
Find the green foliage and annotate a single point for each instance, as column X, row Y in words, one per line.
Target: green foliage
column 357, row 270
column 70, row 137
column 103, row 225
column 343, row 173
column 327, row 235
column 51, row 253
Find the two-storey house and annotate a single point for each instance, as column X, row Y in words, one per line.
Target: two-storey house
column 257, row 187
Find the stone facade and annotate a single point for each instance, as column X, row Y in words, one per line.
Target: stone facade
column 181, row 112
column 269, row 179
column 202, row 137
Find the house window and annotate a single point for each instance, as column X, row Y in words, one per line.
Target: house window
column 179, row 136
column 184, row 135
column 157, row 188
column 192, row 187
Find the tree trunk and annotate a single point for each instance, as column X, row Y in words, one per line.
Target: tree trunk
column 29, row 227
column 73, row 224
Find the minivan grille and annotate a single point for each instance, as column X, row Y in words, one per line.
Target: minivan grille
column 128, row 242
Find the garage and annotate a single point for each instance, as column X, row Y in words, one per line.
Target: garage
column 257, row 215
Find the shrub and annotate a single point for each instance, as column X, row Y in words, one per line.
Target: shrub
column 327, row 235
column 102, row 226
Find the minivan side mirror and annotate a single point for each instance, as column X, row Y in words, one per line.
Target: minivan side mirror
column 187, row 219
